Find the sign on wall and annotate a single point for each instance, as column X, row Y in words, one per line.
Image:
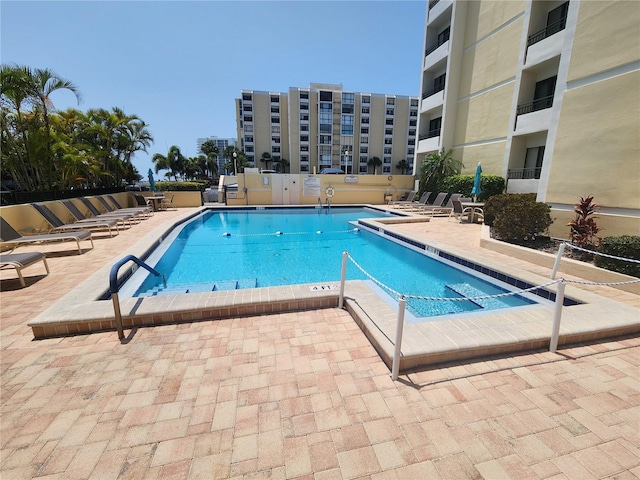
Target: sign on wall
column 311, row 187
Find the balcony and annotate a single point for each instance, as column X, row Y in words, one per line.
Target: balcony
column 523, row 180
column 549, row 30
column 524, row 173
column 538, row 104
column 442, row 39
column 430, row 141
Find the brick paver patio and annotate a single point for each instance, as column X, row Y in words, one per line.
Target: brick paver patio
column 296, row 395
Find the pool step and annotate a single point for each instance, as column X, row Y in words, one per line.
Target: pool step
column 218, row 286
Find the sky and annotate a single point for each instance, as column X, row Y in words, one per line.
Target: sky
column 180, row 65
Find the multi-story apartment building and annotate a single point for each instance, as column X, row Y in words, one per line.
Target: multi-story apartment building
column 544, row 93
column 221, row 143
column 323, row 126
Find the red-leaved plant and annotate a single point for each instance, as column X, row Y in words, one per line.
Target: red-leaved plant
column 583, row 227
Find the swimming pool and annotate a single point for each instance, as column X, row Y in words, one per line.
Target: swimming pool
column 235, row 249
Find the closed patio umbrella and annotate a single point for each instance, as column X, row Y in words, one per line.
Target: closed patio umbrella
column 476, row 183
column 152, row 182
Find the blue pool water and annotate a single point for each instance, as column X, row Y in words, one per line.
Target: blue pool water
column 222, row 250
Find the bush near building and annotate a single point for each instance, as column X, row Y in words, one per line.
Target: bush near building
column 491, row 185
column 193, row 186
column 517, row 218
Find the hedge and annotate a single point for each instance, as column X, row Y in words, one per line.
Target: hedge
column 517, row 217
column 491, row 185
column 625, row 246
column 193, row 186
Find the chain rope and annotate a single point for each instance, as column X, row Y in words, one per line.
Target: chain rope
column 601, row 254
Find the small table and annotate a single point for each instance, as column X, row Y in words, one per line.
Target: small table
column 473, row 206
column 156, row 199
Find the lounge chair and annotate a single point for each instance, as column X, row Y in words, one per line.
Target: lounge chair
column 458, row 212
column 22, row 260
column 438, row 203
column 448, row 207
column 57, row 225
column 424, row 198
column 122, row 219
column 410, row 196
column 143, row 202
column 116, row 207
column 10, row 237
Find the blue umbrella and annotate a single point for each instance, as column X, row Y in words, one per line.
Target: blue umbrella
column 152, row 182
column 476, row 182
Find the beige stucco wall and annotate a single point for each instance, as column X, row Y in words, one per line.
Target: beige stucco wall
column 597, row 147
column 610, row 225
column 490, row 155
column 488, row 15
column 491, row 61
column 370, row 189
column 485, row 117
column 607, row 35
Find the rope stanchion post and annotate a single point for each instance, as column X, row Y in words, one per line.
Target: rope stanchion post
column 395, row 369
column 343, row 277
column 556, row 265
column 557, row 315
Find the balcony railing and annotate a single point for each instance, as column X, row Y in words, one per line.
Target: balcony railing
column 433, row 91
column 441, row 41
column 430, row 134
column 524, row 173
column 539, row 104
column 433, row 3
column 549, row 30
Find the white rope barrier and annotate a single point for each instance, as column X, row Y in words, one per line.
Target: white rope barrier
column 402, row 298
column 560, row 253
column 278, row 233
column 575, row 247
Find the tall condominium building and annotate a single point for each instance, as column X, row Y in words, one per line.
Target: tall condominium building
column 323, row 126
column 221, row 143
column 544, row 93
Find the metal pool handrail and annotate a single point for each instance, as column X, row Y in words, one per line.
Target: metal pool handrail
column 114, row 287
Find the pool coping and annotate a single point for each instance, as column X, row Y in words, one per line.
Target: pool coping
column 468, row 336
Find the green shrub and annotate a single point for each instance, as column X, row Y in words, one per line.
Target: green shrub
column 625, row 246
column 491, row 185
column 194, row 186
column 517, row 217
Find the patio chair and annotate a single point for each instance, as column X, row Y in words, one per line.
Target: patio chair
column 167, row 202
column 142, row 201
column 424, row 198
column 448, row 207
column 57, row 225
column 10, row 237
column 438, row 202
column 22, row 260
column 458, row 212
column 123, row 220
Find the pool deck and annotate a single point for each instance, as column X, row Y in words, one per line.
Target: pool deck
column 303, row 394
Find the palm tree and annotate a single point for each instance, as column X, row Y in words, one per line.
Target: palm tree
column 41, row 84
column 435, row 167
column 174, row 161
column 375, row 162
column 404, row 166
column 283, row 163
column 266, row 159
column 210, row 151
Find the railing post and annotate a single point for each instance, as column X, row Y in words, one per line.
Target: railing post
column 399, row 327
column 556, row 265
column 343, row 277
column 557, row 314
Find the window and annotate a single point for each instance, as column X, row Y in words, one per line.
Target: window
column 533, row 162
column 414, row 102
column 304, row 95
column 275, row 128
column 365, row 110
column 386, row 160
column 275, row 109
column 387, row 150
column 304, row 138
column 545, row 88
column 364, row 149
column 304, row 106
column 275, row 139
column 413, row 113
column 348, row 108
column 364, row 120
column 304, row 117
column 389, row 111
column 391, row 101
column 304, row 128
column 304, row 158
column 388, row 141
column 325, row 118
column 438, row 83
column 248, row 148
column 443, row 36
column 247, row 108
column 325, row 139
column 389, row 121
column 325, row 150
column 304, row 148
column 410, row 151
column 275, row 149
column 364, row 130
column 325, row 128
column 248, row 129
column 326, row 96
column 326, row 107
column 434, row 127
column 346, row 130
column 364, row 139
column 413, row 123
column 304, row 168
column 275, row 99
column 347, row 119
column 248, row 118
column 412, row 133
column 386, row 169
column 366, row 99
column 248, row 139
column 275, row 119
column 363, row 169
column 246, row 96
column 364, row 159
column 388, row 131
column 348, row 98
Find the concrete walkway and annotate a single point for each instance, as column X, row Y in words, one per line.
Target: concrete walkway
column 297, row 395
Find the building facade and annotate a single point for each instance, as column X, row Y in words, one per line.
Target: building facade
column 323, row 126
column 543, row 93
column 221, row 143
